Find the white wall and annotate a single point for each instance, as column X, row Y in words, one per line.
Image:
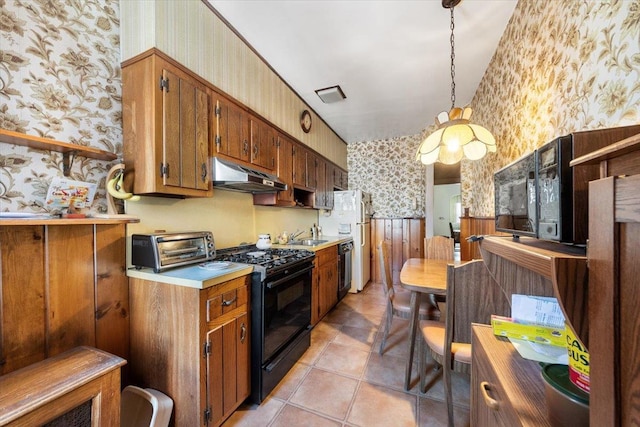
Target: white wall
column 442, row 195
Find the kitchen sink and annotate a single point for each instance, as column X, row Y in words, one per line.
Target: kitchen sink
column 307, row 242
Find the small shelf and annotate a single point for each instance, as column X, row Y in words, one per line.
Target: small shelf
column 534, row 254
column 68, row 150
column 554, row 270
column 626, row 146
column 64, row 221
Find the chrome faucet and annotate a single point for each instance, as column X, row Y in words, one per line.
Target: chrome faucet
column 293, row 236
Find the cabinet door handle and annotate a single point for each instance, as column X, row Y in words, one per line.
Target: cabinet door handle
column 204, row 172
column 243, row 332
column 227, row 303
column 245, row 147
column 488, row 400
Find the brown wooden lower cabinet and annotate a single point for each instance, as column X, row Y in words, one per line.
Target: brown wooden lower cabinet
column 63, row 285
column 193, row 345
column 405, row 237
column 506, row 389
column 324, row 284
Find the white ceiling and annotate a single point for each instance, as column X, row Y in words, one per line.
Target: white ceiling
column 390, row 57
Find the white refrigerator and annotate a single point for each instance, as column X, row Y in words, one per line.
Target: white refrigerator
column 351, row 215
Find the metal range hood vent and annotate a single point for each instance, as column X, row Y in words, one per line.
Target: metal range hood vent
column 232, row 176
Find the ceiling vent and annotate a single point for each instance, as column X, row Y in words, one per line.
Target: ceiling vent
column 331, row 94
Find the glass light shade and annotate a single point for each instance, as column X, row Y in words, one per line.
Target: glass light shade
column 455, row 138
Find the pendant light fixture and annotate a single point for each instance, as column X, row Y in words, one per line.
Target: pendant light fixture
column 456, row 137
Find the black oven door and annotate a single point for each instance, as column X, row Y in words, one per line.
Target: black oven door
column 286, row 309
column 280, row 319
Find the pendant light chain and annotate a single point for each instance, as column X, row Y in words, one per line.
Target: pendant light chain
column 453, row 67
column 455, row 137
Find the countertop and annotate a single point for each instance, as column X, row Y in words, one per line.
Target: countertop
column 202, row 278
column 330, row 241
column 193, row 276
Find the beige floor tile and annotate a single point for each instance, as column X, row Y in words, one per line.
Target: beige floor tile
column 313, row 352
column 372, row 307
column 291, row 416
column 398, row 339
column 380, row 406
column 365, row 320
column 253, row 415
column 290, row 382
column 432, row 413
column 461, row 387
column 343, row 360
column 325, row 392
column 325, row 331
column 339, row 315
column 356, row 338
column 389, row 371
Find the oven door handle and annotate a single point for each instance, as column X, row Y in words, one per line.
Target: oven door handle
column 276, row 283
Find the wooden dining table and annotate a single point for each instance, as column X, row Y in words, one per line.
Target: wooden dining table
column 421, row 276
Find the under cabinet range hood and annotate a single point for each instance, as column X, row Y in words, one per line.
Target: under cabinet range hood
column 232, row 176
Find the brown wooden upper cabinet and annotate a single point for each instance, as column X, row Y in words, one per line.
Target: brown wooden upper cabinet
column 284, row 150
column 329, row 178
column 232, row 135
column 300, row 175
column 340, row 179
column 262, row 144
column 284, row 171
column 242, row 136
column 165, row 127
column 324, row 191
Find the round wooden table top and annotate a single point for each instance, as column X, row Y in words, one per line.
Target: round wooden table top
column 425, row 275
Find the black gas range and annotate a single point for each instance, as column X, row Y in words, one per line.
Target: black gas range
column 280, row 310
column 267, row 262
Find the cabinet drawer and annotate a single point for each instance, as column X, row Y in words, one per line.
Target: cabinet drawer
column 506, row 390
column 492, row 406
column 327, row 255
column 227, row 297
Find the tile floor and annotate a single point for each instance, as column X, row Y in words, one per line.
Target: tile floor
column 342, row 380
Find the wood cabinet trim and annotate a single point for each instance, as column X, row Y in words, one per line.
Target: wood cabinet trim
column 72, row 377
column 64, row 221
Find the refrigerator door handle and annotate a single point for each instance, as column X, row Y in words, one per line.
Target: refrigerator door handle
column 362, row 234
column 363, row 212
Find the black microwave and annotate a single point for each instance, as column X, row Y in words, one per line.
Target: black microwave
column 555, row 190
column 558, row 197
column 515, row 197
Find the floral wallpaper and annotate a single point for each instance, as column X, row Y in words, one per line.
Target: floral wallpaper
column 388, row 170
column 561, row 66
column 59, row 79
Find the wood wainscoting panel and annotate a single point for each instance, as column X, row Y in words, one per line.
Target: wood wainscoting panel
column 475, row 226
column 62, row 285
column 22, row 296
column 112, row 290
column 405, row 237
column 70, row 291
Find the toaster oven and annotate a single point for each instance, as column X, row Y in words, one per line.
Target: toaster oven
column 169, row 250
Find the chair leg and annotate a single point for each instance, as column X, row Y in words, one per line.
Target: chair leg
column 387, row 327
column 422, row 365
column 446, row 376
